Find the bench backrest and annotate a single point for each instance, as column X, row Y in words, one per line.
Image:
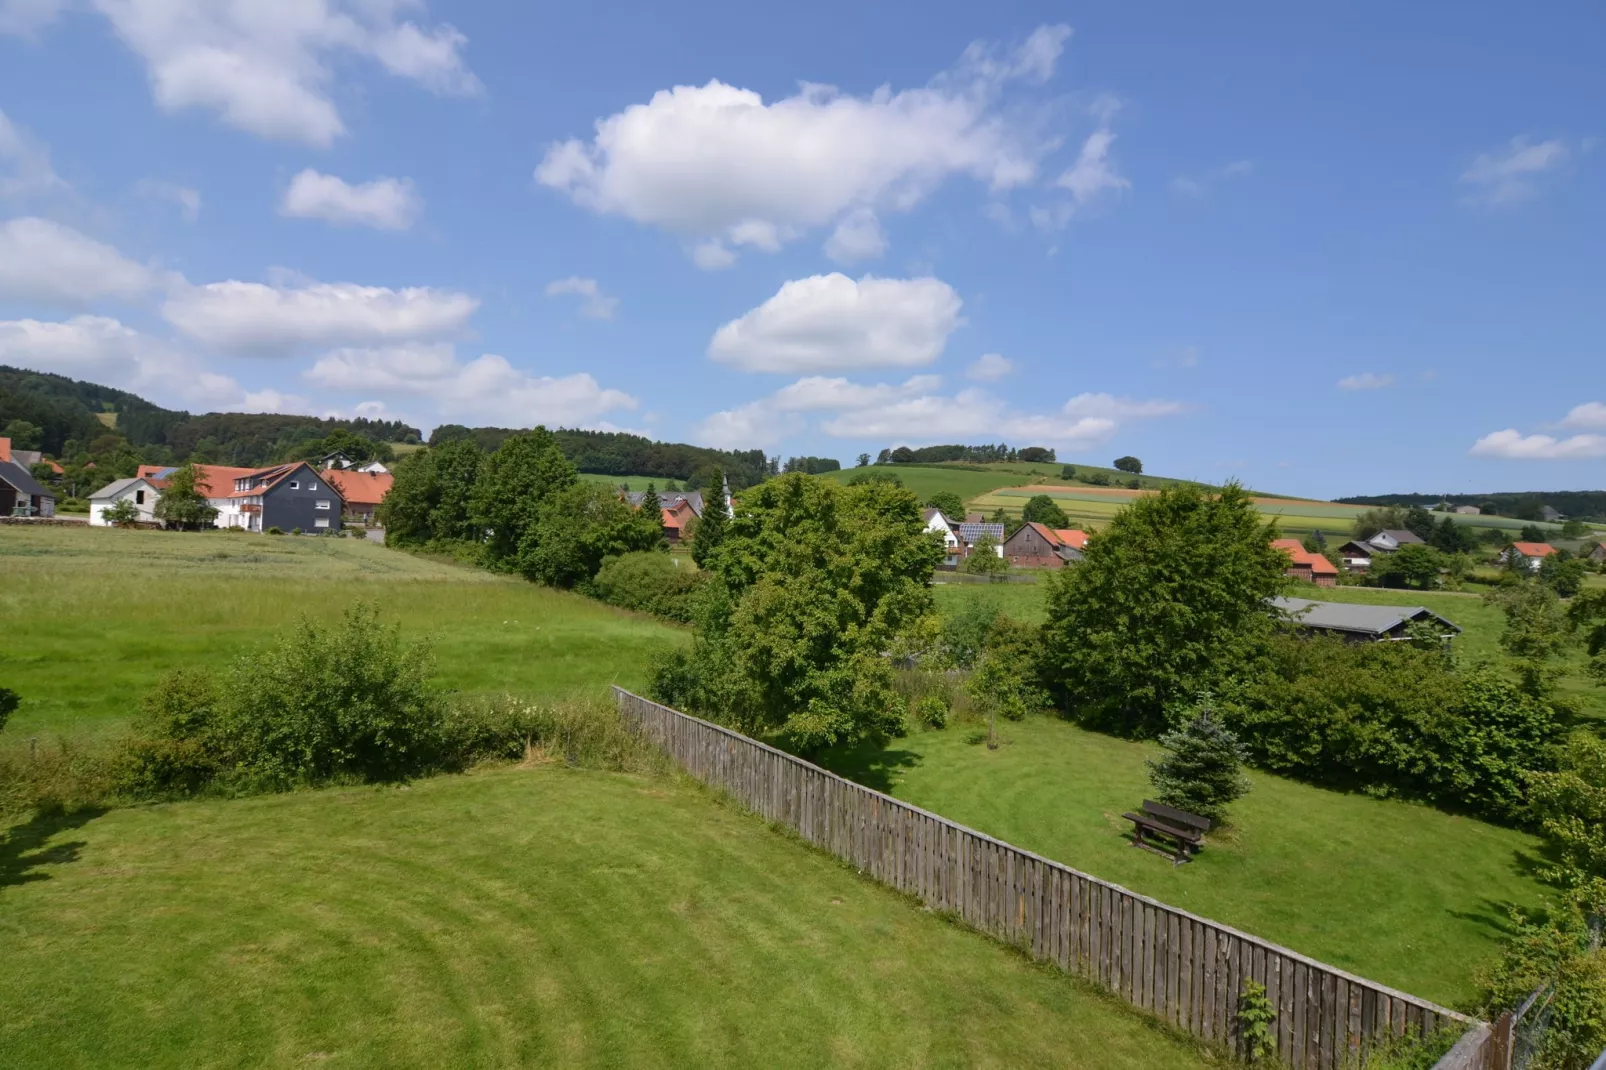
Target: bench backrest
column 1175, row 816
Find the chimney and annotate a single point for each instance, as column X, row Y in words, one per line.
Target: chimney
column 5, row 450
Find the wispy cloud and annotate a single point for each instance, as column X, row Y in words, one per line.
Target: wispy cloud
column 1201, row 184
column 1365, row 381
column 1513, row 172
column 595, row 304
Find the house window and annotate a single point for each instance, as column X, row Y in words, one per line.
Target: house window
column 139, row 497
column 313, row 485
column 294, row 485
column 321, row 522
column 323, row 503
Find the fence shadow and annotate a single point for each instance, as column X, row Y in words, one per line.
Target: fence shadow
column 24, row 853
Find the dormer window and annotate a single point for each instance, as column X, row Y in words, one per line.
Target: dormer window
column 294, row 485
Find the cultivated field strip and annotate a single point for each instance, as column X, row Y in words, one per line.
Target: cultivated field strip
column 1188, row 970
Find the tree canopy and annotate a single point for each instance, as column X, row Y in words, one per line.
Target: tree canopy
column 181, row 504
column 812, row 584
column 1129, row 464
column 1041, row 509
column 948, row 503
column 514, row 483
column 1169, row 601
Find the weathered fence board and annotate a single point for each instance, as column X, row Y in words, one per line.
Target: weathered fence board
column 1188, row 970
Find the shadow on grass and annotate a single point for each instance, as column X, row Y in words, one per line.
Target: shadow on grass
column 867, row 763
column 1493, row 916
column 23, row 851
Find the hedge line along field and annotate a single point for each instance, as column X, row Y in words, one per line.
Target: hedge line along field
column 517, row 917
column 1399, row 893
column 93, row 617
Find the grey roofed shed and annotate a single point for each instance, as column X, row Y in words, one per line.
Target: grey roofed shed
column 1357, row 621
column 20, row 478
column 116, row 487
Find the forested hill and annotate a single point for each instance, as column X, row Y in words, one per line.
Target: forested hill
column 1521, row 504
column 619, row 454
column 68, row 416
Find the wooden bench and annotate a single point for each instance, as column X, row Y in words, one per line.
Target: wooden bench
column 1166, row 830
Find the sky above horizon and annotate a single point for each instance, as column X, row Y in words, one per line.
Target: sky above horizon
column 1324, row 251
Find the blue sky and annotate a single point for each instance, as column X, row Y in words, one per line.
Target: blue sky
column 1326, row 251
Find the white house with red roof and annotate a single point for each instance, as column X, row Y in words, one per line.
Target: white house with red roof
column 1533, row 554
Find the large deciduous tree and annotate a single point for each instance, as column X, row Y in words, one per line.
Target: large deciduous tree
column 948, row 503
column 1129, row 464
column 514, row 483
column 429, row 498
column 1041, row 509
column 812, row 585
column 182, row 505
column 579, row 526
column 1169, row 601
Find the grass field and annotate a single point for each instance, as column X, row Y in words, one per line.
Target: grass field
column 92, row 617
column 634, row 482
column 517, row 917
column 1399, row 893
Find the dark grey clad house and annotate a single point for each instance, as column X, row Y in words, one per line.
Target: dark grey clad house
column 287, row 497
column 21, row 494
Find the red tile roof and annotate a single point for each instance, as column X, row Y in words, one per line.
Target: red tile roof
column 216, row 480
column 1318, row 565
column 1533, row 549
column 1072, row 537
column 359, row 488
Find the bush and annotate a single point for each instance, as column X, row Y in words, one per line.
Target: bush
column 1202, row 770
column 976, row 736
column 58, row 777
column 582, row 732
column 1564, row 955
column 327, row 703
column 295, row 531
column 651, row 582
column 1389, row 719
column 931, row 711
column 275, row 530
column 177, row 747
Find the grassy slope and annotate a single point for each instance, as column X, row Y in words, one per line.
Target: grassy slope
column 1399, row 893
column 511, row 918
column 92, row 617
column 634, row 482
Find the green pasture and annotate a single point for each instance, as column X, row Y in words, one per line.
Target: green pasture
column 93, row 617
column 635, row 483
column 1396, row 892
column 521, row 917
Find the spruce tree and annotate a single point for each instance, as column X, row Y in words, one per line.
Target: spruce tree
column 1201, row 771
column 711, row 525
column 652, row 509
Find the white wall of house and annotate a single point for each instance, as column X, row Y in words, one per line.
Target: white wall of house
column 940, row 523
column 143, row 495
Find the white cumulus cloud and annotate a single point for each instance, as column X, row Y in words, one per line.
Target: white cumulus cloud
column 384, row 203
column 1110, row 407
column 832, row 323
column 1511, row 444
column 487, row 390
column 45, row 261
column 1514, row 171
column 1590, row 415
column 261, row 319
column 594, row 303
column 267, row 67
column 1365, row 381
column 720, row 167
column 990, row 367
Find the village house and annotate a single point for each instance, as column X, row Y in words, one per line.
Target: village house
column 1533, row 554
column 20, row 493
column 937, row 522
column 283, row 496
column 1357, row 555
column 135, row 489
column 339, row 461
column 1037, row 545
column 680, row 508
column 1598, row 554
column 1307, row 566
column 970, row 533
column 361, row 490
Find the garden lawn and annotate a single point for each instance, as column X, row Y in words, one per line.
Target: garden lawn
column 93, row 617
column 1399, row 893
column 516, row 917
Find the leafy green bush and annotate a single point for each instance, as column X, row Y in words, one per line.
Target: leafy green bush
column 63, row 775
column 348, row 701
column 275, row 530
column 582, row 732
column 1571, row 806
column 1562, row 955
column 121, row 513
column 1389, row 718
column 931, row 711
column 651, row 582
column 177, row 747
column 976, row 736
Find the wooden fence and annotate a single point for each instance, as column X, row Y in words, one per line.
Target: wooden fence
column 1188, row 970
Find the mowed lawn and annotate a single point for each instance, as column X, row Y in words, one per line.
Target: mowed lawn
column 92, row 617
column 1396, row 892
column 516, row 917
